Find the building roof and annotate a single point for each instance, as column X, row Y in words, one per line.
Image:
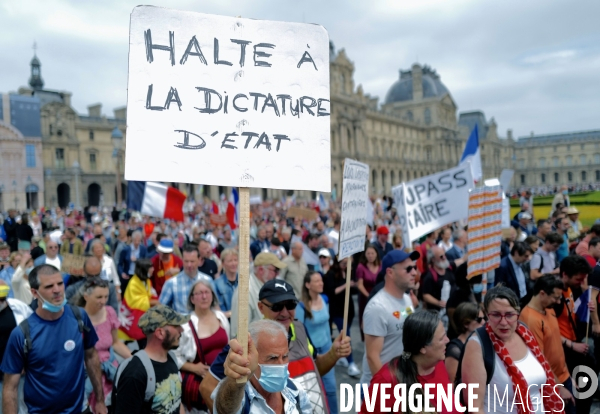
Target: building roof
column 559, row 138
column 402, row 90
column 470, row 119
column 24, row 114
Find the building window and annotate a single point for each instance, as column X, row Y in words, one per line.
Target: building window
column 427, row 116
column 570, row 176
column 597, row 175
column 582, row 159
column 522, row 178
column 555, row 161
column 59, row 132
column 542, row 149
column 569, row 160
column 428, row 154
column 556, row 177
column 51, row 130
column 582, row 146
column 543, row 178
column 60, row 158
column 568, row 147
column 583, row 176
column 596, row 158
column 409, row 116
column 91, row 135
column 30, row 155
column 542, row 162
column 555, row 148
column 521, row 163
column 93, row 162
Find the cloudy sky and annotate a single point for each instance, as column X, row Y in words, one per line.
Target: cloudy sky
column 532, row 65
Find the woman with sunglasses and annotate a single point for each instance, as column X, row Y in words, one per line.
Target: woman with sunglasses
column 313, row 312
column 467, row 317
column 202, row 339
column 421, row 362
column 93, row 298
column 519, row 365
column 335, row 288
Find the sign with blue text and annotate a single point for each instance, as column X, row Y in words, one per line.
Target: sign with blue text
column 355, row 199
column 227, row 101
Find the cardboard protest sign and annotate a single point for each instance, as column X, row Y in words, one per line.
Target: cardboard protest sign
column 227, row 101
column 305, row 213
column 427, row 203
column 485, row 230
column 72, row 264
column 218, row 220
column 354, row 208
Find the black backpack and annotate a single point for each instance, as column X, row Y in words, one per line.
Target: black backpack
column 24, row 326
column 489, row 357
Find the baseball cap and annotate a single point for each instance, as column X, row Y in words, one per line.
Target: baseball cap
column 397, row 256
column 524, row 215
column 159, row 316
column 265, row 259
column 324, row 252
column 383, row 230
column 276, row 291
column 165, row 246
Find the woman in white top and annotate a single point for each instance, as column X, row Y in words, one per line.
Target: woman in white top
column 446, row 242
column 202, row 339
column 519, row 363
column 109, row 270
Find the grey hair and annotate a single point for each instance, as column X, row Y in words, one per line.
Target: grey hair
column 298, row 242
column 95, row 242
column 206, row 283
column 458, row 234
column 266, row 326
column 136, row 233
column 286, row 230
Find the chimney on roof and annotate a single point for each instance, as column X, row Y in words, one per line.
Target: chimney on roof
column 509, row 134
column 417, row 80
column 531, row 134
column 95, row 110
column 121, row 113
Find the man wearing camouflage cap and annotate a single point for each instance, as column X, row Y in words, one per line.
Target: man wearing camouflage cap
column 150, row 379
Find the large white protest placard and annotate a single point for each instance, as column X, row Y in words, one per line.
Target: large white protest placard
column 227, row 101
column 354, row 208
column 427, row 203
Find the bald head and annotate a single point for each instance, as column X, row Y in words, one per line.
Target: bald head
column 92, row 267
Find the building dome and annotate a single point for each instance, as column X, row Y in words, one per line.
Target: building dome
column 402, row 90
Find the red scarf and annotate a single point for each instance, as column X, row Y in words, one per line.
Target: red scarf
column 552, row 402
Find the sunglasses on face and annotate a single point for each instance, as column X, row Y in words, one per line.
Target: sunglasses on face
column 278, row 307
column 410, row 268
column 479, row 319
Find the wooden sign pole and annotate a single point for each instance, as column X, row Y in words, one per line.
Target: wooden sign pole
column 347, row 299
column 243, row 272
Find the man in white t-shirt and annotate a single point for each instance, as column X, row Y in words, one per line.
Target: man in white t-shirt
column 386, row 312
column 51, row 257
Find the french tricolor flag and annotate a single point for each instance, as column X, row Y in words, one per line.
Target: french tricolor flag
column 473, row 154
column 232, row 209
column 155, row 200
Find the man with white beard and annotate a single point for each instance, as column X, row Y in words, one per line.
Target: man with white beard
column 433, row 280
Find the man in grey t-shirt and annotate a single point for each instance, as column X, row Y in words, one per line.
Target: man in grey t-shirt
column 544, row 260
column 386, row 312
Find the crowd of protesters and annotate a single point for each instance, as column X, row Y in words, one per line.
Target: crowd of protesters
column 148, row 322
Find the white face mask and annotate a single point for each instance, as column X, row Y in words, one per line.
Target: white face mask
column 3, row 305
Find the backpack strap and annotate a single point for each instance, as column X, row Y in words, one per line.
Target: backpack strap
column 147, row 363
column 27, row 345
column 77, row 312
column 487, row 349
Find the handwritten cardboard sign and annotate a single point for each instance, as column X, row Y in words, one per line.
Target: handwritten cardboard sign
column 227, row 101
column 427, row 203
column 354, row 208
column 72, row 264
column 306, row 213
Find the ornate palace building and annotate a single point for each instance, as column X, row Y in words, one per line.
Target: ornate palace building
column 415, row 131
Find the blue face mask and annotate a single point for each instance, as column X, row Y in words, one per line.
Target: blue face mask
column 50, row 307
column 565, row 192
column 478, row 288
column 273, row 378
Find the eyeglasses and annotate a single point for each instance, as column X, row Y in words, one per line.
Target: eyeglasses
column 52, row 247
column 443, row 256
column 480, row 318
column 497, row 316
column 409, row 268
column 278, row 307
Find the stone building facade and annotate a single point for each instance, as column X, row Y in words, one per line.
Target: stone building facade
column 79, row 154
column 21, row 170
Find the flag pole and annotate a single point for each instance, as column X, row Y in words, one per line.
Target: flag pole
column 243, row 272
column 347, row 298
column 587, row 325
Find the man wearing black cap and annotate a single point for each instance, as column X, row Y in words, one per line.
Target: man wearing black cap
column 386, row 312
column 278, row 302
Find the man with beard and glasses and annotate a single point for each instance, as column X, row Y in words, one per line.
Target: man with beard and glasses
column 149, row 381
